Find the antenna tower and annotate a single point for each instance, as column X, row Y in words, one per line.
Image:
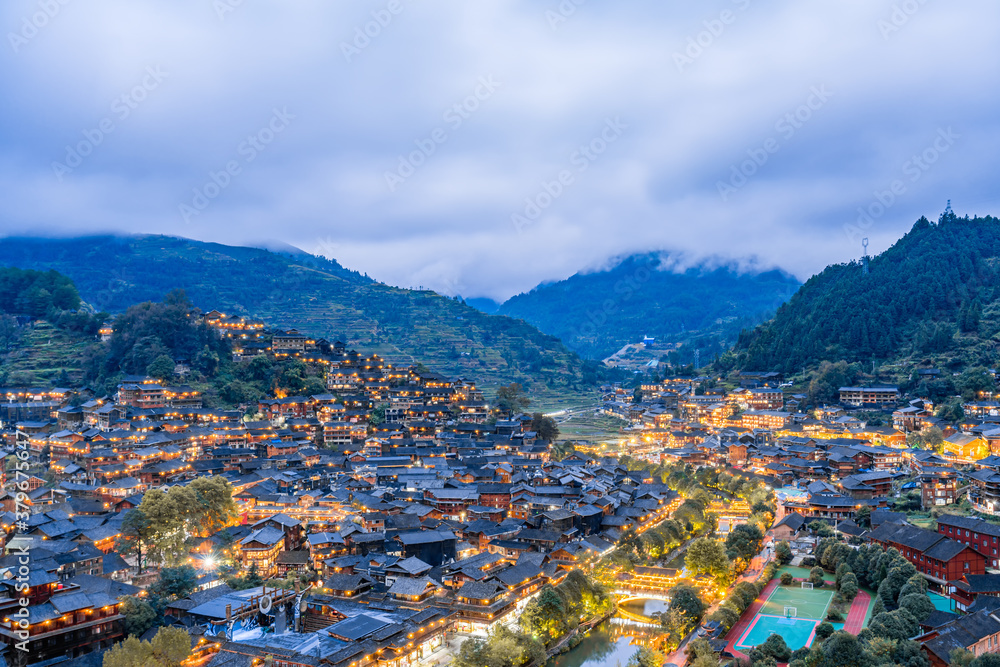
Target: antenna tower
column 864, row 257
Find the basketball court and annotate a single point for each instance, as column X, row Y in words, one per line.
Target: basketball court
column 789, row 611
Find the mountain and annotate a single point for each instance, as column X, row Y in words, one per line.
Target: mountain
column 597, row 313
column 931, row 298
column 317, row 296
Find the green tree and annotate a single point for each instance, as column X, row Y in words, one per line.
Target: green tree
column 918, row 604
column 816, row 576
column 775, row 647
column 169, row 648
column 139, row 615
column 783, row 552
column 545, row 616
column 166, row 514
column 512, row 398
column 824, row 630
column 849, row 586
column 161, row 368
column 708, row 556
column 544, row 427
column 214, row 507
column 786, row 578
column 175, row 583
column 842, row 649
column 136, row 538
column 744, row 542
column 685, row 600
column 645, row 657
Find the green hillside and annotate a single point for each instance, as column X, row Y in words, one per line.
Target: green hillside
column 315, row 295
column 597, row 313
column 932, row 299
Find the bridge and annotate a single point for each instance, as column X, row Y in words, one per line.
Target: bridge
column 625, row 595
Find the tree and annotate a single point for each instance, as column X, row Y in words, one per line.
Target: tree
column 139, row 615
column 849, row 586
column 544, row 427
column 645, row 657
column 824, row 630
column 786, row 578
column 136, row 537
column 161, row 368
column 743, row 542
column 899, row 624
column 918, row 604
column 961, row 657
column 842, row 649
column 168, row 648
column 544, row 617
column 685, row 600
column 863, row 517
column 816, row 576
column 214, row 508
column 783, row 552
column 175, row 582
column 166, row 514
column 775, row 647
column 512, row 398
column 707, row 556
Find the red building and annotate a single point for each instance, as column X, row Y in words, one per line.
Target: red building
column 981, row 535
column 940, row 559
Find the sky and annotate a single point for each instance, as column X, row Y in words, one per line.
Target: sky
column 479, row 148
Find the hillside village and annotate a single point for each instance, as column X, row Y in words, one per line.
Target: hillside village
column 385, row 520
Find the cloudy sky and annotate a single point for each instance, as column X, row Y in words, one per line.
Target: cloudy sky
column 482, row 147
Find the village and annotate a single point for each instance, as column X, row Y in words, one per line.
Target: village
column 398, row 514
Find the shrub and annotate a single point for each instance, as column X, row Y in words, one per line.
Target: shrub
column 786, row 578
column 835, row 616
column 824, row 630
column 816, row 576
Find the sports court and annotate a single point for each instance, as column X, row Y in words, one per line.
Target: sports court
column 790, row 611
column 807, row 603
column 797, row 632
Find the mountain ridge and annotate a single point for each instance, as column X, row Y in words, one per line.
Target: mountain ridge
column 314, row 294
column 596, row 312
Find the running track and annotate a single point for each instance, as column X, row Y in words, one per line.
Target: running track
column 856, row 615
column 747, row 617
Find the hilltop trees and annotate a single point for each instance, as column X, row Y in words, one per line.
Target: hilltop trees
column 935, row 282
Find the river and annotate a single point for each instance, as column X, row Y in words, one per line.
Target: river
column 613, row 642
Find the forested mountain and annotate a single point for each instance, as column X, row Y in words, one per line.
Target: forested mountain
column 315, row 295
column 931, row 298
column 597, row 313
